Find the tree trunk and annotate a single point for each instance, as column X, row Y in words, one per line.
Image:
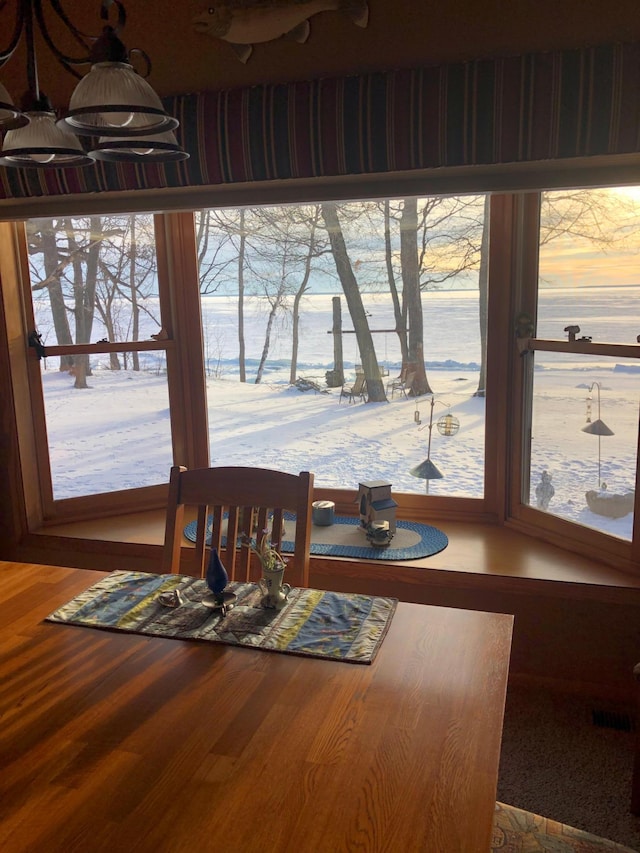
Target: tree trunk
column 399, row 310
column 54, row 289
column 335, row 377
column 133, row 291
column 295, row 336
column 84, row 291
column 483, row 288
column 295, row 330
column 241, row 345
column 267, row 341
column 79, row 370
column 375, row 386
column 412, row 294
column 114, row 358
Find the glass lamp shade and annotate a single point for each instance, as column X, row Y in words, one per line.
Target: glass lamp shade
column 10, row 116
column 113, row 100
column 157, row 148
column 42, row 144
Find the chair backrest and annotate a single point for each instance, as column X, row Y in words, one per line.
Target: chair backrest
column 238, row 500
column 359, row 385
column 409, row 380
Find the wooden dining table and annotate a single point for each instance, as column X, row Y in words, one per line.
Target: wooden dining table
column 126, row 743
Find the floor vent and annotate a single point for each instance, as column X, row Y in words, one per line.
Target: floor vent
column 607, row 719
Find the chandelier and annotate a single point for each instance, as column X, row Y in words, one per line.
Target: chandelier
column 112, row 104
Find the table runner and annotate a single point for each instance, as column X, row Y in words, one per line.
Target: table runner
column 315, row 623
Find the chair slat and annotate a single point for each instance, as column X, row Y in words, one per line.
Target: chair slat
column 216, row 533
column 244, row 493
column 276, row 528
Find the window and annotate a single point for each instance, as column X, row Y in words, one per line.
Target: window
column 95, row 298
column 582, row 374
column 295, row 301
column 298, row 300
column 227, row 336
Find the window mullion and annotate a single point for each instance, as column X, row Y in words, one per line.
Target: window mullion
column 28, row 402
column 178, row 279
column 524, row 301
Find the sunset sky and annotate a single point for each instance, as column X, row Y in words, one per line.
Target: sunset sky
column 575, row 262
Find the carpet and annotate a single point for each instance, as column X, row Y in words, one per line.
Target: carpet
column 314, row 623
column 557, row 762
column 345, row 538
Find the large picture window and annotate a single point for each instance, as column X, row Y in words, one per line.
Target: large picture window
column 303, row 304
column 361, row 340
column 298, row 305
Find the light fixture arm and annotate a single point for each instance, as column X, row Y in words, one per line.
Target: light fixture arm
column 32, row 62
column 112, row 101
column 8, row 51
column 30, row 11
column 66, row 61
column 104, row 48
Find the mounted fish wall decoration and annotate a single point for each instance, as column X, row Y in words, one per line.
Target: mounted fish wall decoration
column 243, row 23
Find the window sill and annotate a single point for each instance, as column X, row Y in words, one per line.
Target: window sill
column 479, row 556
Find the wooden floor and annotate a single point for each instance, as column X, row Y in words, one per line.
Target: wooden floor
column 130, row 744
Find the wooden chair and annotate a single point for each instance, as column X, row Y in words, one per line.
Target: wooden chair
column 358, row 391
column 258, row 495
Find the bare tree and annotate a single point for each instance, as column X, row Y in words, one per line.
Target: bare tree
column 483, row 298
column 42, row 246
column 375, row 386
column 224, row 250
column 90, row 267
column 126, row 281
column 411, row 292
column 428, row 243
column 275, row 301
column 399, row 304
column 592, row 215
column 312, row 248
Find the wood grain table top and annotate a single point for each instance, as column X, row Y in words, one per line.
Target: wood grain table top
column 120, row 742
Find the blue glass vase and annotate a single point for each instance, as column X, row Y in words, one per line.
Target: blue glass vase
column 216, row 577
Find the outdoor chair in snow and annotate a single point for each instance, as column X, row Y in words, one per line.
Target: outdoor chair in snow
column 358, row 391
column 402, row 384
column 229, row 501
column 399, row 380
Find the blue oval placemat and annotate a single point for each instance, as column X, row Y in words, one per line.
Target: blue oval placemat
column 430, row 541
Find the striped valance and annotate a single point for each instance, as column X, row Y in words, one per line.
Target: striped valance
column 536, row 107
